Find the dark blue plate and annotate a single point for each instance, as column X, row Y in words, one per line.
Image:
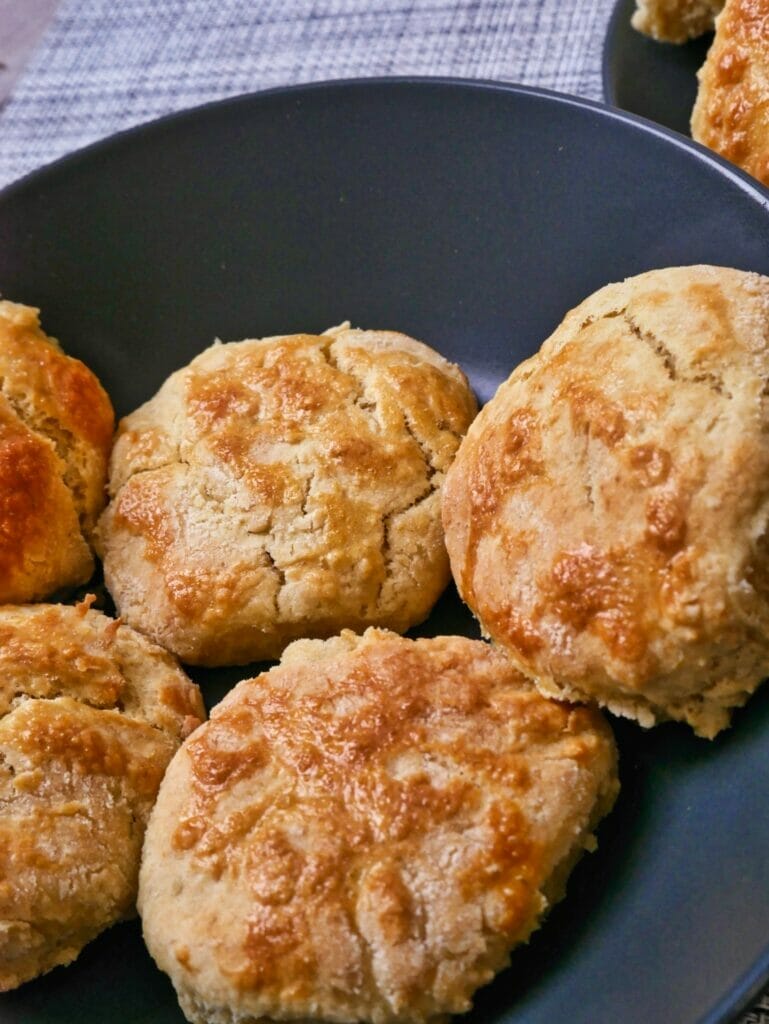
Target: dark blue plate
column 655, row 80
column 471, row 216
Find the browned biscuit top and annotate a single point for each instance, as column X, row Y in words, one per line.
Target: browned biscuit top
column 364, row 832
column 90, row 714
column 606, row 514
column 56, row 427
column 731, row 114
column 281, row 488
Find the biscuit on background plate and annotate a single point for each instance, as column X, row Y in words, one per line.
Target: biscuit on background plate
column 675, row 21
column 364, row 832
column 731, row 114
column 56, row 425
column 606, row 515
column 90, row 715
column 283, row 488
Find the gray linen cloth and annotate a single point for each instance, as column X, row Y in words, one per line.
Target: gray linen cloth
column 105, row 65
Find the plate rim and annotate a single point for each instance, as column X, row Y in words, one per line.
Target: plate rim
column 600, row 108
column 740, row 996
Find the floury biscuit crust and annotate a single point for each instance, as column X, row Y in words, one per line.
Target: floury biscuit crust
column 282, row 488
column 606, row 516
column 366, row 831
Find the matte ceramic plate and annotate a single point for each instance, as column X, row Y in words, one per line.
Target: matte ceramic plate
column 655, row 80
column 471, row 216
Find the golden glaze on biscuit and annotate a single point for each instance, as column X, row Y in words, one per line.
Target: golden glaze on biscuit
column 282, row 488
column 731, row 114
column 55, row 433
column 90, row 715
column 364, row 832
column 606, row 514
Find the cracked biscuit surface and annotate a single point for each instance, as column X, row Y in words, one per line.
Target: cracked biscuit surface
column 90, row 715
column 606, row 516
column 282, row 488
column 364, row 832
column 56, row 426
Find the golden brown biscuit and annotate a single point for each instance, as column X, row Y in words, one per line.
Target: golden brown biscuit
column 731, row 114
column 283, row 488
column 606, row 516
column 364, row 832
column 90, row 714
column 56, row 427
column 675, row 21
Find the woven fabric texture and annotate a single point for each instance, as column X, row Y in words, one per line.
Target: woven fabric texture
column 104, row 66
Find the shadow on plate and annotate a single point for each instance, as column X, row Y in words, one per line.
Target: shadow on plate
column 651, row 79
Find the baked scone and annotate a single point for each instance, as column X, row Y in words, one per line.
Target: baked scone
column 90, row 715
column 731, row 114
column 282, row 488
column 56, row 426
column 675, row 21
column 606, row 515
column 364, row 832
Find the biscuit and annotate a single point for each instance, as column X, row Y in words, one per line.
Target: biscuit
column 675, row 21
column 56, row 426
column 731, row 114
column 90, row 715
column 606, row 515
column 283, row 488
column 364, row 832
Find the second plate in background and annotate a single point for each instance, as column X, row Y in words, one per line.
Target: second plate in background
column 642, row 76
